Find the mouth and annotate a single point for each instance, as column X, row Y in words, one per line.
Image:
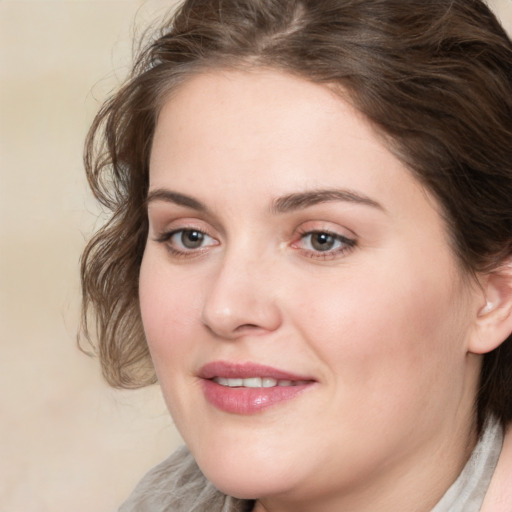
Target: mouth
column 249, row 388
column 257, row 382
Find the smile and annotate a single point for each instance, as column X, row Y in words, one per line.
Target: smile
column 249, row 388
column 257, row 382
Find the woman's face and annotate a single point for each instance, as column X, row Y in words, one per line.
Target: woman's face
column 305, row 314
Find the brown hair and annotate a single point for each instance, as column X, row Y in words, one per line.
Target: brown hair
column 434, row 77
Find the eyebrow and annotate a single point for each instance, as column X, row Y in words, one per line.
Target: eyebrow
column 169, row 196
column 301, row 200
column 283, row 204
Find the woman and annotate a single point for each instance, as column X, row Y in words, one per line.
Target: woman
column 311, row 249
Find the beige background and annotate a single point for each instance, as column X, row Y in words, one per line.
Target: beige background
column 67, row 442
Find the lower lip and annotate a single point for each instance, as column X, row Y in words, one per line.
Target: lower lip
column 248, row 400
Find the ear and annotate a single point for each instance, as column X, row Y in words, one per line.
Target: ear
column 494, row 316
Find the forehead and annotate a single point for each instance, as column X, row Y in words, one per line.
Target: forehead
column 264, row 120
column 266, row 98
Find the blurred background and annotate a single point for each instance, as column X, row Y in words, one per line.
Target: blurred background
column 67, row 441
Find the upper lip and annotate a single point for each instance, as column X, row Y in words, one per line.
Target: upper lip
column 245, row 371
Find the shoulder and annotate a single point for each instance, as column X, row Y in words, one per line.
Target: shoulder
column 499, row 495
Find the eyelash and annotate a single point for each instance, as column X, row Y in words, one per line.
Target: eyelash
column 346, row 244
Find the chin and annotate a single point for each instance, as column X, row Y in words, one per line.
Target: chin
column 246, row 478
column 252, row 487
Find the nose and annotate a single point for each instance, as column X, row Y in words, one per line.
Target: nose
column 241, row 300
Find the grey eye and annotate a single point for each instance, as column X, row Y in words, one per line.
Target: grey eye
column 322, row 241
column 191, row 238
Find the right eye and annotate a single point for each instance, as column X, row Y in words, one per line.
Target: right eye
column 189, row 240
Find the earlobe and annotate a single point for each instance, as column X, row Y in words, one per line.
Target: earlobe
column 494, row 319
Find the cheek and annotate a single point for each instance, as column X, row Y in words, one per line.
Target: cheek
column 169, row 310
column 170, row 307
column 388, row 336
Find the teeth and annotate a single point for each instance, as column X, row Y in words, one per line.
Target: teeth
column 253, row 382
column 235, row 383
column 256, row 382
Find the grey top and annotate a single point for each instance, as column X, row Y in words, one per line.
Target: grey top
column 177, row 484
column 467, row 493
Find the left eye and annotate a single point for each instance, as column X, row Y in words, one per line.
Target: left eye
column 322, row 241
column 190, row 239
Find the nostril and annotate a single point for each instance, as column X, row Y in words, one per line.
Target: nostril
column 246, row 327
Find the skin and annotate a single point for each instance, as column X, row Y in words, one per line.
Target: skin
column 386, row 324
